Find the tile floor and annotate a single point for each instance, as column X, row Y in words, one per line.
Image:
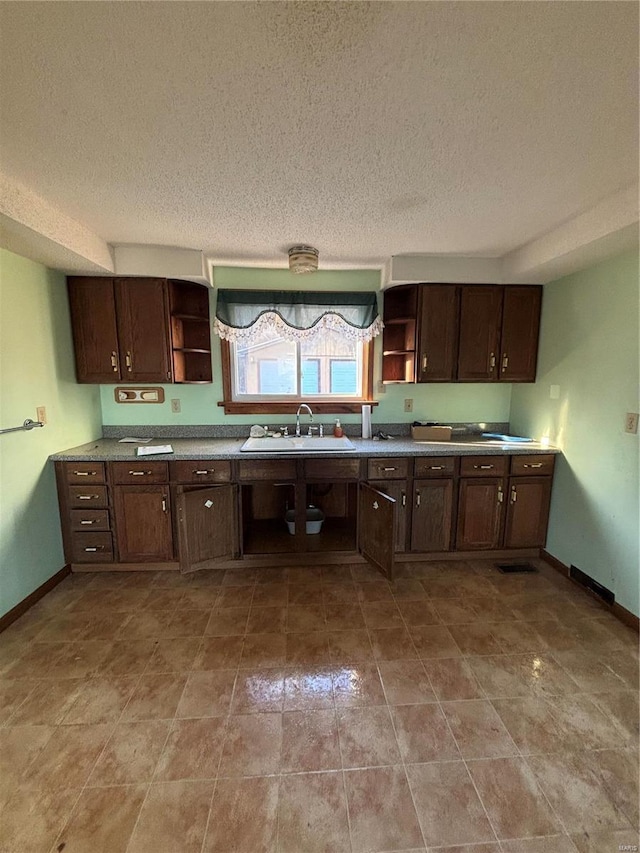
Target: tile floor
column 319, row 709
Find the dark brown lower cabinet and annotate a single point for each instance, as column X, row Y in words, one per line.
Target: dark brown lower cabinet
column 207, row 526
column 431, row 515
column 527, row 512
column 376, row 526
column 143, row 523
column 396, row 489
column 480, row 514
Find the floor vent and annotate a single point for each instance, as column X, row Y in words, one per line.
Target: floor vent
column 583, row 579
column 515, row 568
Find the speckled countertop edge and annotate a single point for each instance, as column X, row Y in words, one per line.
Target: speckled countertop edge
column 110, row 450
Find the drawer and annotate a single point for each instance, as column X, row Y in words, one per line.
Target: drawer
column 484, row 466
column 435, row 466
column 268, row 469
column 139, row 472
column 387, row 469
column 89, row 496
column 88, row 520
column 91, row 548
column 332, row 469
column 84, row 472
column 208, row 471
column 535, row 464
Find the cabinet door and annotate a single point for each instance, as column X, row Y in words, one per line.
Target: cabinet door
column 143, row 523
column 480, row 514
column 527, row 512
column 396, row 489
column 520, row 328
column 143, row 329
column 93, row 323
column 207, row 526
column 438, row 335
column 431, row 515
column 376, row 525
column 480, row 322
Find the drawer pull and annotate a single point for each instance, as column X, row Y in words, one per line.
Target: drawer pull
column 436, row 467
column 114, row 361
column 492, row 361
column 140, row 473
column 164, row 503
column 87, row 522
column 425, row 362
column 207, row 471
column 88, row 497
column 85, row 473
column 514, row 494
column 404, row 499
column 128, row 361
column 96, row 548
column 389, row 469
column 532, row 465
column 505, row 362
column 500, row 495
column 417, row 497
column 483, row 467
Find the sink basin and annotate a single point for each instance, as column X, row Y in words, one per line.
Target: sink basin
column 291, row 444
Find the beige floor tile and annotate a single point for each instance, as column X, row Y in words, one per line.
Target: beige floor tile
column 357, row 685
column 207, row 693
column 552, row 844
column 219, row 653
column 155, row 697
column 127, row 658
column 252, row 745
column 235, row 596
column 198, row 598
column 173, row 818
column 382, row 614
column 623, row 708
column 408, row 589
column 478, row 730
column 131, row 754
column 476, row 639
column 418, row 612
column 435, row 641
column 613, row 839
column 264, row 650
column 48, row 702
column 381, row 811
column 392, row 644
column 33, row 662
column 243, row 816
column 343, row 617
column 406, row 682
column 367, row 737
column 308, row 649
column 32, row 819
column 448, row 806
column 310, row 741
column 271, row 594
column 304, row 618
column 349, row 646
column 512, row 798
column 518, row 637
column 533, row 724
column 452, row 678
column 258, row 690
column 230, row 622
column 192, row 750
column 617, row 771
column 589, row 672
column 186, row 623
column 148, row 624
column 102, row 820
column 19, row 746
column 13, row 693
column 423, row 734
column 521, row 675
column 312, row 814
column 374, row 590
column 174, row 655
column 101, row 700
column 309, row 688
column 267, row 620
column 68, row 758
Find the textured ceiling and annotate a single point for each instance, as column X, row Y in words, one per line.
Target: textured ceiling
column 365, row 129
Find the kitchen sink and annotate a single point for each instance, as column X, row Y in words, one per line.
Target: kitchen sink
column 291, row 444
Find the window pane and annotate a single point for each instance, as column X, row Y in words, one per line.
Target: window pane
column 310, row 376
column 266, row 366
column 343, row 377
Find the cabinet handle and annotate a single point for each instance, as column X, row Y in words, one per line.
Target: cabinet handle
column 128, row 360
column 514, row 494
column 164, row 503
column 87, row 522
column 114, row 361
column 532, row 465
column 85, row 473
column 425, row 362
column 88, row 497
column 404, row 499
column 483, row 467
column 140, row 473
column 500, row 495
column 98, row 548
column 505, row 362
column 389, row 469
column 436, row 467
column 417, row 497
column 207, row 471
column 492, row 361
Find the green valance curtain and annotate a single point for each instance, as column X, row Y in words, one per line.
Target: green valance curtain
column 296, row 315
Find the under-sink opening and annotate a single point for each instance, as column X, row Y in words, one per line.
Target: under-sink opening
column 339, row 503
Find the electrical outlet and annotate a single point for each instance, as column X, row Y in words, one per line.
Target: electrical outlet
column 41, row 414
column 408, row 405
column 631, row 422
column 175, row 406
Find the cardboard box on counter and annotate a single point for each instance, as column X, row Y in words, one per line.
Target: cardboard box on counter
column 431, row 433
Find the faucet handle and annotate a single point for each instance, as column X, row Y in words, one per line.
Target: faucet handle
column 312, row 429
column 284, row 430
column 321, row 428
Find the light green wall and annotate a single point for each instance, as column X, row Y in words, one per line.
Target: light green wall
column 36, row 369
column 589, row 347
column 199, row 403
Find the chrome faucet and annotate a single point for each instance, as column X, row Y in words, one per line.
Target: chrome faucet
column 302, row 406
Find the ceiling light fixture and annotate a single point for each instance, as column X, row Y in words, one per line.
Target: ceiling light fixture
column 303, row 259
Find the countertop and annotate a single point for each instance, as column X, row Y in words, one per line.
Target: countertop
column 110, row 450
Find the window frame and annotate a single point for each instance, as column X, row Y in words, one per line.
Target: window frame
column 283, row 406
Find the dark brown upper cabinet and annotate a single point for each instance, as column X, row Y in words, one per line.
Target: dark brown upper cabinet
column 438, row 333
column 461, row 333
column 140, row 330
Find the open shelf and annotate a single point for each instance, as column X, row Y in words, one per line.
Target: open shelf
column 399, row 334
column 190, row 333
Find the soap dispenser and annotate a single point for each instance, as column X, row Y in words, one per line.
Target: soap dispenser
column 337, row 430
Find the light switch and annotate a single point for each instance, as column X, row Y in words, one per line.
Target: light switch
column 175, row 406
column 631, row 422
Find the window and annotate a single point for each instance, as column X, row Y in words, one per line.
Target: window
column 280, row 349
